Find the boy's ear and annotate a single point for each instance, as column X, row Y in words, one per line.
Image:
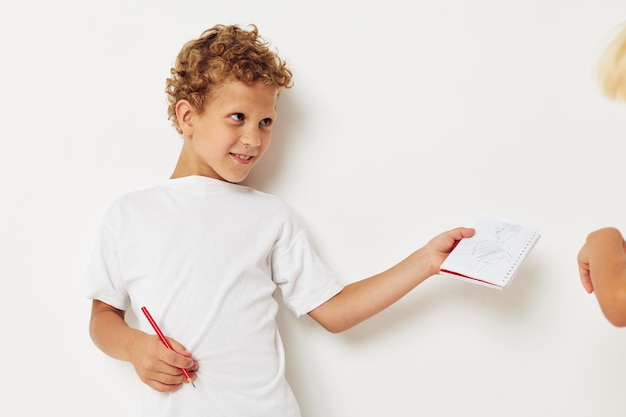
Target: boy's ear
column 184, row 113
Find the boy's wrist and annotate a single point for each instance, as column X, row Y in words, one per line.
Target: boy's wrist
column 131, row 343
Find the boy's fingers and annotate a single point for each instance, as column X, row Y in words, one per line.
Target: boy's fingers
column 178, row 347
column 176, row 358
column 585, row 277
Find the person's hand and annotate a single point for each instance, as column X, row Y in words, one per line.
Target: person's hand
column 584, row 269
column 439, row 247
column 602, row 269
column 600, row 246
column 159, row 367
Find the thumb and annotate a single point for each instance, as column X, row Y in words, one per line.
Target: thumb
column 178, row 347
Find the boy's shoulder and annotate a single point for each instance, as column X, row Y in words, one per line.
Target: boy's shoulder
column 188, row 189
column 136, row 195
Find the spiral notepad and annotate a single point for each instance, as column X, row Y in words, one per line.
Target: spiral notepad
column 493, row 255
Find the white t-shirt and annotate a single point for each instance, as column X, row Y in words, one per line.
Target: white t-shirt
column 205, row 257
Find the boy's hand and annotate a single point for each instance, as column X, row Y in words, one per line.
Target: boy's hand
column 584, row 269
column 439, row 247
column 159, row 367
column 601, row 247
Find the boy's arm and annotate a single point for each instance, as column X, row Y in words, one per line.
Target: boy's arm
column 602, row 267
column 155, row 364
column 361, row 300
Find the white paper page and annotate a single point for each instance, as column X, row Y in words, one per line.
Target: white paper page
column 492, row 252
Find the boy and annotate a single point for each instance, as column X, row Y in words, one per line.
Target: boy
column 205, row 254
column 602, row 258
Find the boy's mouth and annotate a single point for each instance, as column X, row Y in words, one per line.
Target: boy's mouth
column 242, row 157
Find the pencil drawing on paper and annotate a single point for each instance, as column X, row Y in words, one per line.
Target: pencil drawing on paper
column 493, row 254
column 493, row 248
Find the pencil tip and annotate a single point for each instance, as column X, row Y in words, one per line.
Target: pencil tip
column 191, row 382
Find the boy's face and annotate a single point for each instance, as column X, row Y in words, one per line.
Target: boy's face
column 232, row 133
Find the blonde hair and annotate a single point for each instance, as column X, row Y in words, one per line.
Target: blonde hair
column 612, row 67
column 220, row 54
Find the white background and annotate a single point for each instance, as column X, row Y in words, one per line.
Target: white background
column 406, row 119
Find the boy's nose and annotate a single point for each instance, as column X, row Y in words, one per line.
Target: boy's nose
column 250, row 139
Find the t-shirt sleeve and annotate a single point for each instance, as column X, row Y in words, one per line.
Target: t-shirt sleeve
column 102, row 279
column 304, row 280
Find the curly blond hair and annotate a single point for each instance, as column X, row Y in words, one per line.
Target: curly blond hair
column 612, row 67
column 220, row 54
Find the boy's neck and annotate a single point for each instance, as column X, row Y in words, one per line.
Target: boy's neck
column 185, row 168
column 182, row 168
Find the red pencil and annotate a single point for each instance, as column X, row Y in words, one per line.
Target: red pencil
column 164, row 340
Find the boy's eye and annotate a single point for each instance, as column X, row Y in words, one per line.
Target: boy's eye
column 266, row 122
column 237, row 116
